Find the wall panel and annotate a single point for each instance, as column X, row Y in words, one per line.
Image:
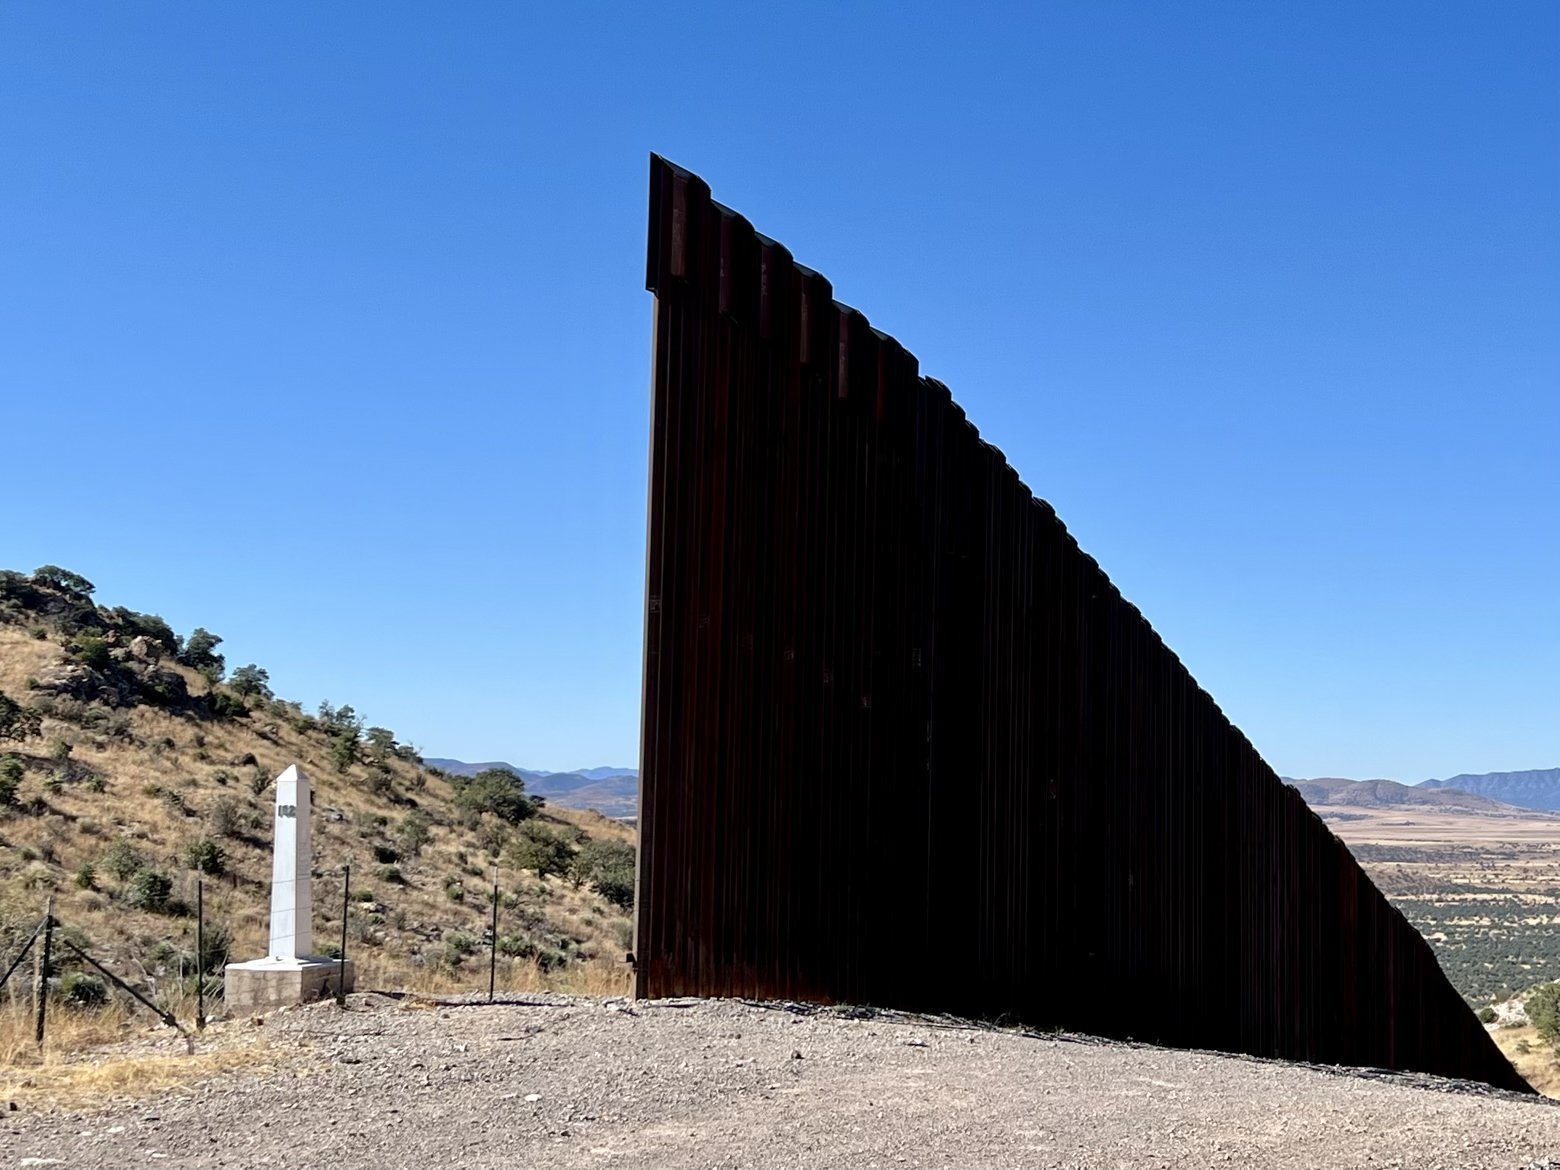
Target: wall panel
column 905, row 744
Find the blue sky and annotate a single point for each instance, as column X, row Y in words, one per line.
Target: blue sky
column 323, row 326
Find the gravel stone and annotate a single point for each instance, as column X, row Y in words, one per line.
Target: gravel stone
column 550, row 1081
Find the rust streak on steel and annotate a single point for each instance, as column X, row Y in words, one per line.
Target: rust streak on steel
column 905, row 744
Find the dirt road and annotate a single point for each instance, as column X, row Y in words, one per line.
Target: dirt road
column 555, row 1082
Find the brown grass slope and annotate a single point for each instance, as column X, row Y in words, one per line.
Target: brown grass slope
column 112, row 775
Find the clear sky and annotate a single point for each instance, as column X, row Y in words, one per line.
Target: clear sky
column 323, row 326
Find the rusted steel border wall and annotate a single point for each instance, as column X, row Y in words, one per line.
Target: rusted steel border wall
column 905, row 744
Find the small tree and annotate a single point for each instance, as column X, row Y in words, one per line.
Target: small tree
column 415, row 831
column 16, row 721
column 251, row 680
column 62, row 580
column 200, row 653
column 381, row 741
column 10, row 780
column 494, row 790
column 1543, row 1009
column 341, row 720
column 609, row 867
column 537, row 847
column 343, row 751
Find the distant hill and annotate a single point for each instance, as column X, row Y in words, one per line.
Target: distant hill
column 1334, row 791
column 133, row 763
column 613, row 792
column 1536, row 789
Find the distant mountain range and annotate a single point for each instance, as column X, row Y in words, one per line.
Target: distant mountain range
column 615, row 791
column 611, row 791
column 1334, row 791
column 1536, row 789
column 1486, row 792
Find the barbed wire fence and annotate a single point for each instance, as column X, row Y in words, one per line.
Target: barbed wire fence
column 51, row 937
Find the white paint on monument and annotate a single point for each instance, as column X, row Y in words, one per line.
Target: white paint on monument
column 292, row 904
column 290, row 973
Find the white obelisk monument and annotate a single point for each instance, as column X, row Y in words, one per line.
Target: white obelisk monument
column 292, row 903
column 290, row 972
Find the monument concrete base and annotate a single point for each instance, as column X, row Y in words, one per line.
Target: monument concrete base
column 268, row 983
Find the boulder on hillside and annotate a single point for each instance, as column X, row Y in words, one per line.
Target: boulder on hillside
column 157, row 686
column 71, row 680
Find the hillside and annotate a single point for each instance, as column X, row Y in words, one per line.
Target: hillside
column 131, row 760
column 611, row 791
column 1336, row 791
column 1538, row 788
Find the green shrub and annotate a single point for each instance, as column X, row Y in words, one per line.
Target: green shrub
column 226, row 705
column 1543, row 1009
column 150, row 890
column 86, row 876
column 16, row 721
column 343, row 751
column 80, row 990
column 454, row 889
column 536, row 847
column 205, row 856
column 609, row 867
column 1488, row 1015
column 59, row 749
column 122, row 861
column 217, row 948
column 458, row 945
column 415, row 831
column 11, row 772
column 90, row 651
column 391, row 874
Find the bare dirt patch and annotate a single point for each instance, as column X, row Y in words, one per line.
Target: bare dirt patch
column 554, row 1081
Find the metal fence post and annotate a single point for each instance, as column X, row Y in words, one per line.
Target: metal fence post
column 42, row 983
column 200, row 955
column 493, row 942
column 341, row 963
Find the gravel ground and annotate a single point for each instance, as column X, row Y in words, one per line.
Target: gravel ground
column 557, row 1082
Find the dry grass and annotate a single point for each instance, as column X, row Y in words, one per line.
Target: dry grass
column 158, row 798
column 1533, row 1058
column 90, row 1058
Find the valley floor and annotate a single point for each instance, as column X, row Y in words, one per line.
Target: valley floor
column 559, row 1082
